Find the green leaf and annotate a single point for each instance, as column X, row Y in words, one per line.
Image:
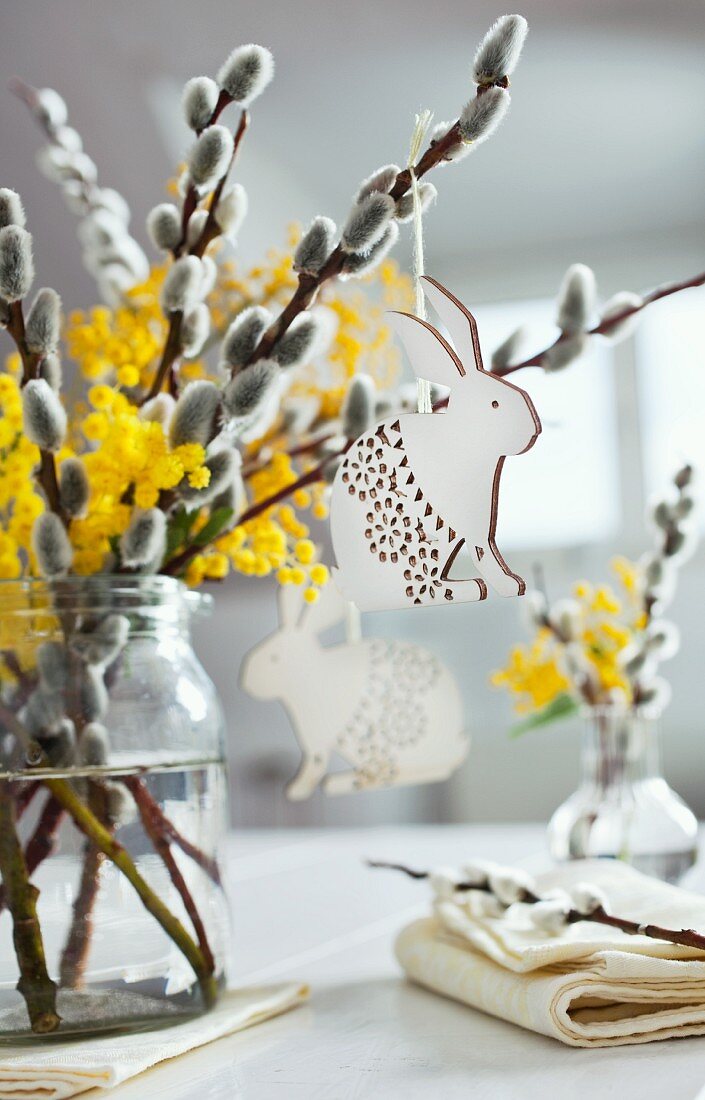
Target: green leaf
column 214, row 525
column 180, row 523
column 560, row 707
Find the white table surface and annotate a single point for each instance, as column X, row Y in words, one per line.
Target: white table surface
column 305, row 907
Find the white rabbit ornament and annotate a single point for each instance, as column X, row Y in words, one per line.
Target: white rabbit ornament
column 389, row 709
column 416, row 489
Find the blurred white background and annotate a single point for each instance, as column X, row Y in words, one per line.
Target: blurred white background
column 600, row 160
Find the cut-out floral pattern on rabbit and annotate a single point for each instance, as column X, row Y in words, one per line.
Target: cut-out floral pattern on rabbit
column 390, row 709
column 414, row 490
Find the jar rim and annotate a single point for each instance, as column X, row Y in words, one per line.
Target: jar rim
column 147, row 589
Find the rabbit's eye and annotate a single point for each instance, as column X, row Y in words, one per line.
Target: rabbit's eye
column 495, row 404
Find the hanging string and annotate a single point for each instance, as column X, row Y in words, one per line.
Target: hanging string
column 353, row 625
column 422, row 122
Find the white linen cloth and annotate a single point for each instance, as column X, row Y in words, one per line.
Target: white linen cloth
column 588, row 986
column 58, row 1070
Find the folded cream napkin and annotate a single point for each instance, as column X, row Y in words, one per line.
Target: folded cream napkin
column 60, row 1070
column 588, row 986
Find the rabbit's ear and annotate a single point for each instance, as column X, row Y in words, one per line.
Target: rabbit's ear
column 289, row 602
column 430, row 355
column 328, row 610
column 458, row 320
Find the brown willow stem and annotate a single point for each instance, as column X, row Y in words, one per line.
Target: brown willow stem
column 309, row 285
column 605, row 326
column 96, row 832
column 171, row 352
column 74, row 957
column 42, row 842
column 153, row 829
column 211, row 229
column 688, row 937
column 147, row 804
column 35, row 985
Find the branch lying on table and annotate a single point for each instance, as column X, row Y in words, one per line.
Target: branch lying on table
column 688, row 937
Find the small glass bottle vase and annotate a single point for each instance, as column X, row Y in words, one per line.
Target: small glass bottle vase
column 624, row 808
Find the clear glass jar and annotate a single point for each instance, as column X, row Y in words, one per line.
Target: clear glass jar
column 623, row 807
column 113, row 805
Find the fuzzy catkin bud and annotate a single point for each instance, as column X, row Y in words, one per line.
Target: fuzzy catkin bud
column 509, row 350
column 5, row 313
column 576, row 299
column 587, row 898
column 510, row 885
column 247, row 391
column 16, row 263
column 44, row 417
column 199, row 98
column 103, row 644
column 549, row 916
column 244, row 334
column 59, row 743
column 11, row 208
column 194, row 416
column 367, row 222
column 144, row 541
column 616, row 305
column 51, row 108
column 382, row 180
column 223, row 466
column 93, row 694
column 93, row 746
column 53, row 666
column 74, row 488
column 482, row 115
column 164, row 226
column 498, row 53
column 231, row 210
column 359, row 406
column 50, row 371
column 563, row 353
column 51, row 545
column 246, row 73
column 452, row 153
column 300, row 341
column 159, row 410
column 404, row 209
column 195, row 328
column 210, row 156
column 182, row 285
column 196, row 225
column 357, row 264
column 43, row 324
column 315, row 246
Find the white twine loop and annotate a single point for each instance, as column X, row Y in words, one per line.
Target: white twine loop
column 422, row 122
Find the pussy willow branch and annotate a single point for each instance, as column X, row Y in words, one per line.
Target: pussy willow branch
column 29, row 96
column 146, row 803
column 309, row 285
column 35, row 985
column 604, row 326
column 42, row 842
column 688, row 937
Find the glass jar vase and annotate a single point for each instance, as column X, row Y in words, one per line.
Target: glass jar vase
column 113, row 805
column 624, row 808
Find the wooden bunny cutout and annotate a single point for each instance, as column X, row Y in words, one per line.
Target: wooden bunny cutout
column 390, row 709
column 413, row 491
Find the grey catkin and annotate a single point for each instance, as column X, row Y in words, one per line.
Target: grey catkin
column 404, row 209
column 359, row 406
column 121, row 809
column 315, row 246
column 231, row 210
column 509, row 350
column 59, row 744
column 93, row 745
column 144, row 540
column 196, row 225
column 74, row 488
column 92, row 693
column 53, row 666
column 50, row 370
column 383, row 179
column 182, row 284
column 51, row 108
column 104, row 643
column 500, row 49
column 621, row 330
column 159, row 409
column 164, row 226
column 43, row 324
column 482, row 115
column 195, row 329
column 576, row 299
column 563, row 353
column 194, row 416
column 367, row 222
column 223, row 466
column 198, row 101
column 357, row 264
column 43, row 711
column 5, row 313
column 210, row 157
column 233, row 497
column 454, row 152
column 16, row 263
column 301, row 340
column 244, row 395
column 51, row 545
column 246, row 73
column 43, row 415
column 11, row 208
column 244, row 334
